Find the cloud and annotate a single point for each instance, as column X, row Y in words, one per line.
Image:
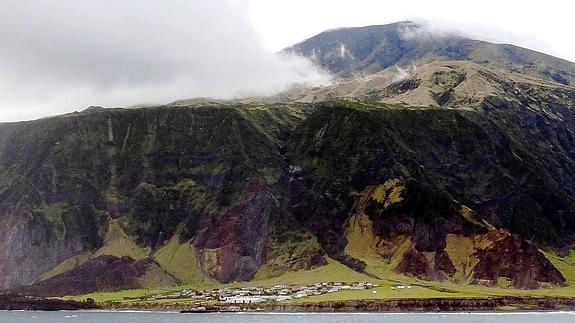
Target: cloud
column 63, row 55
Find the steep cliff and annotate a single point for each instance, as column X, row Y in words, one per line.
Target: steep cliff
column 211, row 175
column 218, row 193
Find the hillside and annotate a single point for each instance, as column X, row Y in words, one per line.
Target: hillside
column 461, row 170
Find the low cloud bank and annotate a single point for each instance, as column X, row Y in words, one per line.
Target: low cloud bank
column 58, row 56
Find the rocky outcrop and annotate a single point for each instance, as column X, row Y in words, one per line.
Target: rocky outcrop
column 508, row 256
column 434, row 265
column 28, row 249
column 436, row 248
column 12, row 302
column 231, row 247
column 100, row 274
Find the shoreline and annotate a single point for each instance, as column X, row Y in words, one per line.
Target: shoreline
column 408, row 305
column 12, row 302
column 454, row 313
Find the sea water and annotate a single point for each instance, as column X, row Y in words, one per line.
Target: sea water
column 152, row 317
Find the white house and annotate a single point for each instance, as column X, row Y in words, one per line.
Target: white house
column 243, row 300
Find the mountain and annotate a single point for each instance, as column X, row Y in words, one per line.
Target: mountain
column 367, row 50
column 432, row 158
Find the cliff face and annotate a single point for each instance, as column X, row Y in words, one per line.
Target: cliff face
column 209, row 174
column 279, row 188
column 458, row 178
column 460, row 155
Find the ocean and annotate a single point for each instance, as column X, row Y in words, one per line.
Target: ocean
column 152, row 317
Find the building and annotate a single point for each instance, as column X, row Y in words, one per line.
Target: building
column 243, row 300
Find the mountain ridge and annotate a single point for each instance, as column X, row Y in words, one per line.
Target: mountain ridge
column 370, row 49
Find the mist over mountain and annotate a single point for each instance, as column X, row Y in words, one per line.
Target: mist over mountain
column 367, row 50
column 112, row 53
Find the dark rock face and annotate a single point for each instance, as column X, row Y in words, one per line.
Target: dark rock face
column 417, row 265
column 516, row 259
column 456, row 158
column 403, row 86
column 28, row 250
column 232, row 246
column 427, row 217
column 104, row 273
column 12, row 302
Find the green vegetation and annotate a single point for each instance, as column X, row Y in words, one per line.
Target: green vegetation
column 179, row 259
column 565, row 264
column 337, row 272
column 117, row 243
column 332, row 272
column 66, row 265
column 289, row 249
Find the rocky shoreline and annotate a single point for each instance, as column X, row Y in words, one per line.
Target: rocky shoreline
column 12, row 302
column 397, row 305
column 433, row 305
column 18, row 302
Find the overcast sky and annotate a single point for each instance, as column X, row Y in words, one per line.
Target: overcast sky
column 58, row 56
